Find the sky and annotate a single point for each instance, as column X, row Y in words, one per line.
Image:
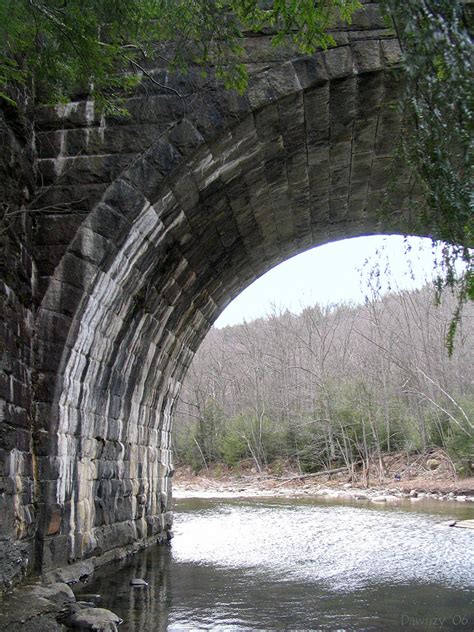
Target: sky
column 334, row 273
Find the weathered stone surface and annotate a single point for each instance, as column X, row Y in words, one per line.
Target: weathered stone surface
column 57, row 592
column 18, row 518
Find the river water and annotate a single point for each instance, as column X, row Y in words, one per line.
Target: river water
column 273, row 564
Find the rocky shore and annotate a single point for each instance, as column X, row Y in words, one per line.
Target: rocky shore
column 416, row 483
column 52, row 607
column 242, row 489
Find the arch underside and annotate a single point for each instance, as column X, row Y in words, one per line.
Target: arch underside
column 185, row 228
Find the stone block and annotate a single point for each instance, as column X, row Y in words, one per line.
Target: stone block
column 209, row 118
column 63, row 299
column 388, row 131
column 68, row 115
column 367, row 56
column 270, row 86
column 164, row 155
column 81, row 170
column 368, row 17
column 311, row 71
column 15, row 435
column 145, row 177
column 125, row 199
column 91, row 246
column 112, row 139
column 185, row 137
column 381, row 173
column 76, row 271
column 391, row 52
column 56, row 229
column 55, row 552
column 339, row 62
column 342, row 109
column 364, row 135
column 157, row 109
column 340, row 154
column 359, row 190
column 108, row 223
column 69, row 198
column 339, row 176
column 362, row 167
column 49, row 144
column 52, row 520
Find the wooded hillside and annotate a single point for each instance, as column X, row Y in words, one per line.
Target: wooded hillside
column 336, row 385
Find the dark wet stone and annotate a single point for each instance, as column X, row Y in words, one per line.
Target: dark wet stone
column 138, row 583
column 94, row 619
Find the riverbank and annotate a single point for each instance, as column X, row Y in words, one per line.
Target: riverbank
column 35, row 606
column 416, row 477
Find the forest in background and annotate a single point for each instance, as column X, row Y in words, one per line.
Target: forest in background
column 334, row 386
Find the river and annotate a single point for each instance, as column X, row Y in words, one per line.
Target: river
column 295, row 564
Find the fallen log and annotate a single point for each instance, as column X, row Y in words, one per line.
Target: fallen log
column 296, row 477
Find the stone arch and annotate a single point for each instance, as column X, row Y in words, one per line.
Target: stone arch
column 302, row 160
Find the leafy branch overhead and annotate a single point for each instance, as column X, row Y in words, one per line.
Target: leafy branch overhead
column 62, row 47
column 437, row 108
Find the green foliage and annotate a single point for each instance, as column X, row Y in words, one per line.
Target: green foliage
column 233, row 447
column 458, row 439
column 438, row 106
column 59, row 48
column 250, row 436
column 209, row 430
column 304, row 22
column 198, row 443
column 185, row 449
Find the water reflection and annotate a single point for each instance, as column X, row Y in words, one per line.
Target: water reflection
column 294, row 565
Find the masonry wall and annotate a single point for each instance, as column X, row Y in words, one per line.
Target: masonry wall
column 18, row 516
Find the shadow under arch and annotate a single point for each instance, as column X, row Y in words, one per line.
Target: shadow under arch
column 186, row 227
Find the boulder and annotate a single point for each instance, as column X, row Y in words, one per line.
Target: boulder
column 93, row 597
column 138, row 583
column 57, row 592
column 95, row 620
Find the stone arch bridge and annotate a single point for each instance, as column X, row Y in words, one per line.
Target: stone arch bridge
column 149, row 226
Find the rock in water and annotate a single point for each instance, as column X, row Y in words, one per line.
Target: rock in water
column 93, row 597
column 96, row 620
column 138, row 583
column 57, row 592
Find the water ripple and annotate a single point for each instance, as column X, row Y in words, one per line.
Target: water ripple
column 344, row 547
